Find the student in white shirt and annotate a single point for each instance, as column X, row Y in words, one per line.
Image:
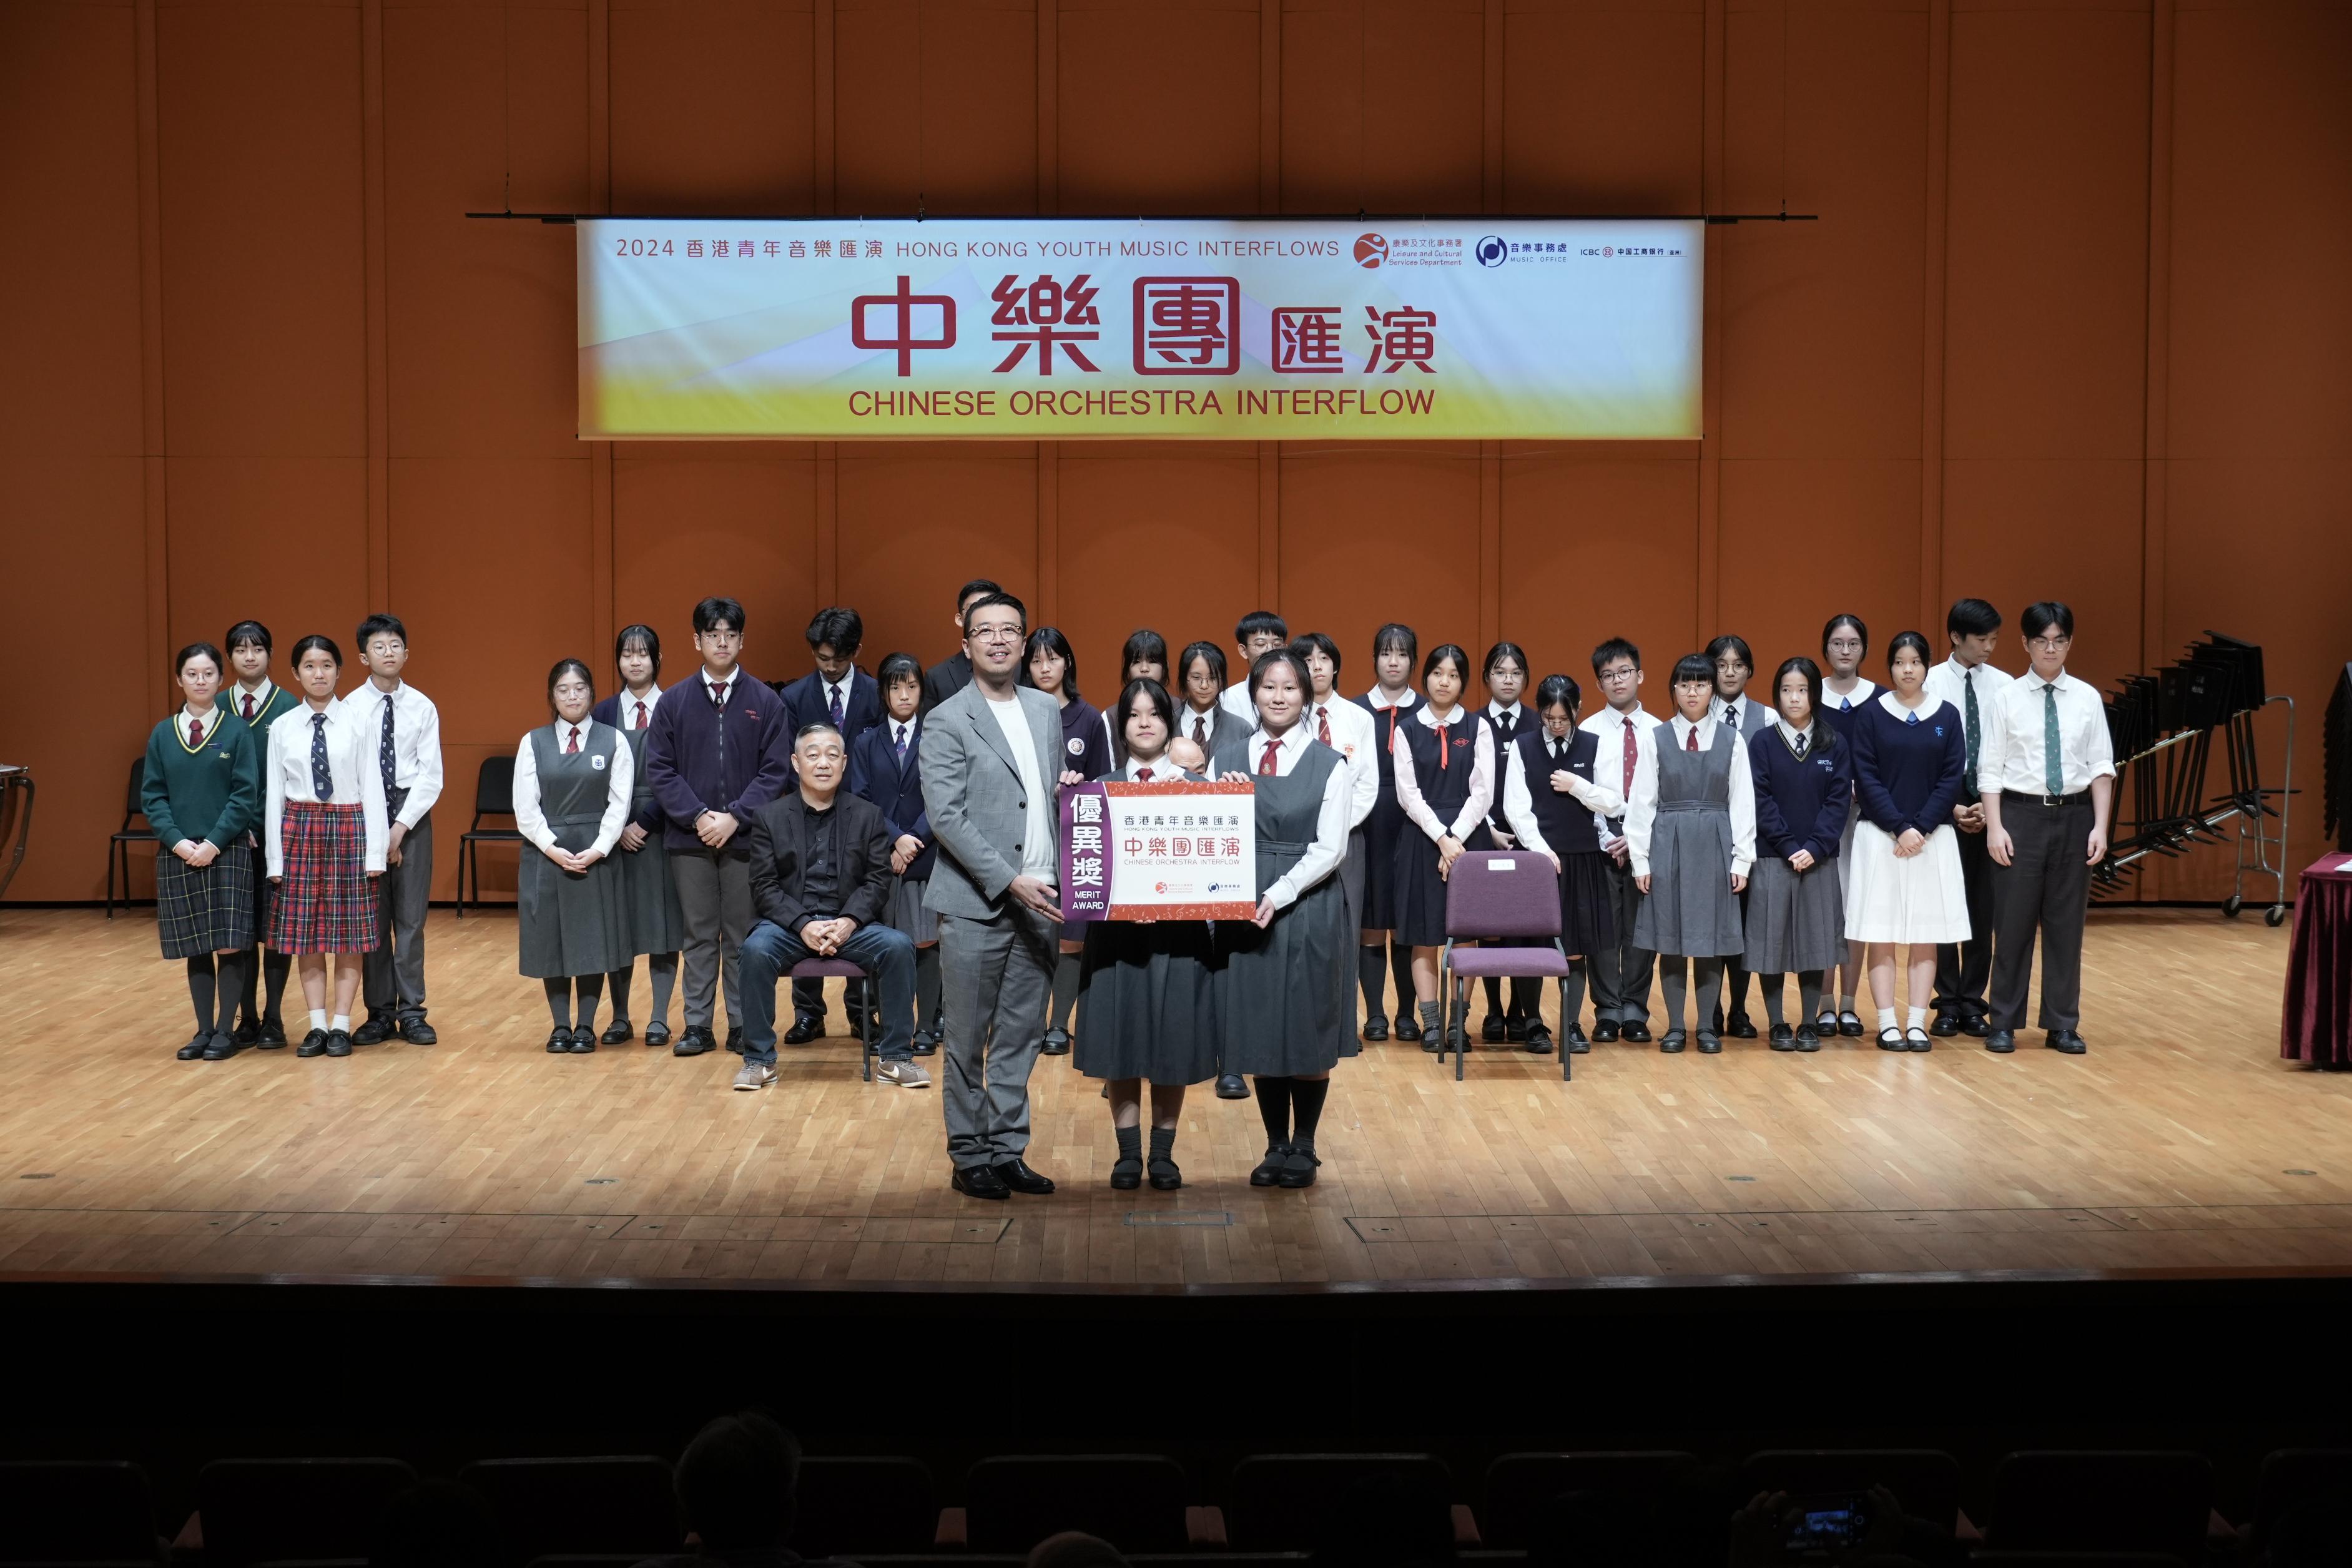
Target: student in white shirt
column 1142, row 657
column 1260, row 632
column 1558, row 800
column 1445, row 782
column 1845, row 690
column 573, row 781
column 1390, row 703
column 1735, row 666
column 1504, row 674
column 260, row 701
column 406, row 729
column 1619, row 973
column 2048, row 780
column 657, row 920
column 1346, row 728
column 1201, row 716
column 1968, row 681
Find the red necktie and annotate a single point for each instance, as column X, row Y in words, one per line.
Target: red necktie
column 574, row 745
column 1199, row 732
column 248, row 707
column 1323, row 724
column 719, row 695
column 641, row 713
column 1693, row 746
column 195, row 731
column 1143, row 776
column 1266, row 763
column 1628, row 758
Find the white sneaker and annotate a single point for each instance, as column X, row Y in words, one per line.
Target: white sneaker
column 905, row 1074
column 754, row 1075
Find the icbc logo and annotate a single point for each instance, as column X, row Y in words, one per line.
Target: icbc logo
column 1371, row 250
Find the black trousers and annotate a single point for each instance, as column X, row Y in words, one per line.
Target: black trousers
column 1621, row 977
column 1963, row 968
column 808, row 997
column 2045, row 889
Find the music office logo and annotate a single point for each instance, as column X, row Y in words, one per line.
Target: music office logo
column 1492, row 251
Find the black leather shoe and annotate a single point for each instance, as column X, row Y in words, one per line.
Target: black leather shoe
column 272, row 1036
column 1850, row 1025
column 1432, row 1041
column 1711, row 1043
column 1057, row 1043
column 804, row 1030
column 617, row 1032
column 339, row 1043
column 374, row 1031
column 1671, row 1042
column 195, row 1050
column 2001, row 1041
column 1892, row 1039
column 1946, row 1025
column 1604, row 1031
column 1269, row 1169
column 1576, row 1044
column 1826, row 1026
column 925, row 1045
column 222, row 1047
column 1125, row 1173
column 1783, row 1038
column 584, row 1040
column 1495, row 1030
column 559, row 1041
column 733, row 1043
column 1299, row 1166
column 694, row 1041
column 247, row 1033
column 1376, row 1028
column 657, row 1034
column 1232, row 1086
column 978, row 1181
column 417, row 1031
column 1165, row 1176
column 1539, row 1041
column 1976, row 1026
column 313, row 1044
column 2067, row 1041
column 1408, row 1032
column 1639, row 1033
column 1516, row 1030
column 1741, row 1029
column 1918, row 1039
column 1016, row 1173
column 1809, row 1038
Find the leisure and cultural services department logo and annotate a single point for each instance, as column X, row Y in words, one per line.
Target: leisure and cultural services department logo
column 1371, row 250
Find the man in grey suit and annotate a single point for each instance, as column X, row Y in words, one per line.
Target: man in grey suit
column 991, row 763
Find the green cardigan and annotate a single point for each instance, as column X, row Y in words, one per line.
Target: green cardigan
column 211, row 795
column 281, row 703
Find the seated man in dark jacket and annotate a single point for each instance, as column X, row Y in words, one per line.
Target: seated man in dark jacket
column 821, row 878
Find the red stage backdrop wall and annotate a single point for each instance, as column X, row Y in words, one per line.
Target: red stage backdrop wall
column 2073, row 324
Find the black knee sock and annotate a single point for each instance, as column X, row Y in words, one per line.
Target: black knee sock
column 200, row 990
column 1130, row 1142
column 1401, row 970
column 559, row 1001
column 590, row 990
column 1572, row 998
column 1527, row 997
column 1163, row 1145
column 1274, row 1108
column 619, row 980
column 1372, row 979
column 1065, row 990
column 277, row 965
column 663, row 967
column 1772, row 986
column 1307, row 1097
column 249, row 992
column 234, row 969
column 1809, row 993
column 927, row 988
column 1738, row 991
column 1494, row 997
column 1674, row 983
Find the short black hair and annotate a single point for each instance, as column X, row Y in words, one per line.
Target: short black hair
column 2043, row 614
column 839, row 625
column 818, row 726
column 1694, row 668
column 1143, row 647
column 1916, row 640
column 1396, row 637
column 1257, row 623
column 1268, row 660
column 1500, row 651
column 715, row 609
column 1050, row 639
column 898, row 668
column 639, row 632
column 1143, row 689
column 376, row 625
column 563, row 667
column 979, row 585
column 1447, row 653
column 1971, row 618
column 990, row 600
column 245, row 631
column 1844, row 618
column 736, row 1482
column 1308, row 642
column 1209, row 651
column 319, row 639
column 1609, row 652
column 1729, row 643
column 1561, row 689
column 1799, row 665
column 180, row 660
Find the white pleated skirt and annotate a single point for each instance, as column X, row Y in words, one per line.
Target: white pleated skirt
column 1918, row 899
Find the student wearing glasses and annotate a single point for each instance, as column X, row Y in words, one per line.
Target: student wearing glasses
column 1620, row 969
column 1845, row 691
column 1968, row 681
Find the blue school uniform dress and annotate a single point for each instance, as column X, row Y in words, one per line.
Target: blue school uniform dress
column 1543, row 818
column 1148, row 990
column 885, row 767
column 1908, row 764
column 1841, row 711
column 656, row 923
column 1796, row 920
column 1453, row 778
column 1386, row 826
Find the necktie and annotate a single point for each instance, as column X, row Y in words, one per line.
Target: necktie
column 1266, row 764
column 1968, row 690
column 1731, row 716
column 2053, row 770
column 641, row 713
column 573, row 745
column 1804, row 742
column 1143, row 775
column 1628, row 758
column 899, row 746
column 1323, row 724
column 1913, row 719
column 195, row 732
column 383, row 749
column 1560, row 749
column 835, row 706
column 248, row 707
column 1692, row 744
column 719, row 695
column 1199, row 732
column 1846, row 704
column 322, row 783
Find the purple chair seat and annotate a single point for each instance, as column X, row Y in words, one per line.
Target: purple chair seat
column 843, row 969
column 1473, row 962
column 1503, row 895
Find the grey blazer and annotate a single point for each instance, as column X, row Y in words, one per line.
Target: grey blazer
column 971, row 787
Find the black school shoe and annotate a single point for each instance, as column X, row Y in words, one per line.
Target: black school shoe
column 1125, row 1173
column 1539, row 1040
column 1165, row 1176
column 1376, row 1028
column 338, row 1042
column 657, row 1035
column 2066, row 1040
column 925, row 1044
column 1976, row 1026
column 375, row 1030
column 1639, row 1033
column 1849, row 1025
column 2001, row 1043
column 559, row 1041
column 584, row 1040
column 1809, row 1038
column 1233, row 1086
column 1408, row 1032
column 272, row 1035
column 1604, row 1031
column 1495, row 1030
column 1299, row 1166
column 804, row 1029
column 1783, row 1038
column 313, row 1044
column 620, row 1031
column 696, row 1040
column 222, row 1048
column 1057, row 1043
column 1269, row 1169
column 1711, row 1043
column 1576, row 1044
column 247, row 1033
column 1671, row 1043
column 417, row 1031
column 195, row 1050
column 1741, row 1029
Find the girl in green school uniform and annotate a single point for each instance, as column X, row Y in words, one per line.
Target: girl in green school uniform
column 201, row 792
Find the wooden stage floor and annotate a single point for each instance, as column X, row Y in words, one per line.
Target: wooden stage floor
column 2180, row 1142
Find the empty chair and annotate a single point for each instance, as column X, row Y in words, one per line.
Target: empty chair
column 1500, row 895
column 118, row 848
column 493, row 797
column 271, row 1510
column 2292, row 1476
column 1135, row 1501
column 1294, row 1502
column 1925, row 1481
column 1519, row 1486
column 593, row 1505
column 2101, row 1501
column 858, row 1507
column 76, row 1511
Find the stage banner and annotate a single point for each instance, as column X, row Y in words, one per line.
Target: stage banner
column 1212, row 330
column 1179, row 850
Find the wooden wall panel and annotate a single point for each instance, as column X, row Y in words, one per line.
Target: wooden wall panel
column 1380, row 105
column 919, row 521
column 1158, row 106
column 1165, row 537
column 1601, row 105
column 686, row 528
column 934, row 105
column 1372, row 534
column 708, row 112
column 1594, row 548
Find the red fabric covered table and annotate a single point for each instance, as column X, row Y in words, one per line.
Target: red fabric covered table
column 2316, row 1026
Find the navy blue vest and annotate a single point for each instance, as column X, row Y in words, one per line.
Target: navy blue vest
column 1566, row 822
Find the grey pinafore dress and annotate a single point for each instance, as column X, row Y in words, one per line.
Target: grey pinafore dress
column 572, row 922
column 1690, row 909
column 656, row 923
column 1285, row 990
column 1148, row 997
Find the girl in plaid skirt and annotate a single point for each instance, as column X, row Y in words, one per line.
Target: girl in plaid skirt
column 201, row 792
column 325, row 830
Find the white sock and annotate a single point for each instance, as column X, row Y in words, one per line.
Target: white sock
column 342, row 1021
column 1886, row 1018
column 319, row 1018
column 1918, row 1017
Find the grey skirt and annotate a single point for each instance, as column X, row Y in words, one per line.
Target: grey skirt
column 1148, row 1002
column 570, row 923
column 906, row 912
column 656, row 923
column 1285, row 990
column 1796, row 920
column 1690, row 910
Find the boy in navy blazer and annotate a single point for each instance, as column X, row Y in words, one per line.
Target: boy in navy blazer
column 885, row 767
column 718, row 748
column 839, row 694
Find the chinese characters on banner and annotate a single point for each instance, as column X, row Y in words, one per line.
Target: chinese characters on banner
column 1179, row 850
column 1073, row 328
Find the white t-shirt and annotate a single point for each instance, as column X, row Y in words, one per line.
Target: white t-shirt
column 1037, row 856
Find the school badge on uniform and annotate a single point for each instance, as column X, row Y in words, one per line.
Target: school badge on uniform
column 596, row 763
column 1078, row 748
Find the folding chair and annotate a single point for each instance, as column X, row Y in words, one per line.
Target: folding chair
column 119, row 849
column 493, row 797
column 1495, row 892
column 841, row 969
